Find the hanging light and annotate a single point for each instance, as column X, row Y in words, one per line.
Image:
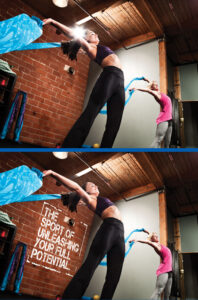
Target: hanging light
column 60, row 155
column 78, row 32
column 60, row 3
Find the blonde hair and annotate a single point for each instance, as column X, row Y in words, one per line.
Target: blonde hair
column 87, row 32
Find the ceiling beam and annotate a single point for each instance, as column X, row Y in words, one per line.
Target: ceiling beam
column 134, row 40
column 149, row 16
column 134, row 192
column 149, row 168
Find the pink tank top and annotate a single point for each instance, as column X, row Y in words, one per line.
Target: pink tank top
column 166, row 105
column 166, row 264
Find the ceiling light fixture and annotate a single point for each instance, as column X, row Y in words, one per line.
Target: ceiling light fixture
column 60, row 155
column 60, row 3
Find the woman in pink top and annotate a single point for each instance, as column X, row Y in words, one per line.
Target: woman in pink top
column 164, row 120
column 164, row 271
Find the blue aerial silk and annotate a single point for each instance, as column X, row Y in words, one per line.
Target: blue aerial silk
column 41, row 197
column 35, row 46
column 104, row 263
column 13, row 263
column 18, row 185
column 104, row 109
column 19, row 32
column 11, row 115
column 19, row 123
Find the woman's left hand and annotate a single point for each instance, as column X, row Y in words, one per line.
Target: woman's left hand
column 47, row 21
column 134, row 240
column 146, row 79
column 47, row 173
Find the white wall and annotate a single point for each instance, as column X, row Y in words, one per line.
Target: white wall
column 138, row 124
column 138, row 275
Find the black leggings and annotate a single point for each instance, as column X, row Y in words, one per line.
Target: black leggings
column 108, row 88
column 108, row 240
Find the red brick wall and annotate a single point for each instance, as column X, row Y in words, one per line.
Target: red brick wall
column 55, row 98
column 38, row 280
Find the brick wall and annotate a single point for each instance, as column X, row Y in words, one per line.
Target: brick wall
column 38, row 279
column 55, row 98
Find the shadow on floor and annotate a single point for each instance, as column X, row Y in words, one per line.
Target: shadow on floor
column 11, row 144
column 10, row 295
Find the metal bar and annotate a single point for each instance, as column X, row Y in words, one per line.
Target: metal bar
column 100, row 176
column 99, row 23
column 142, row 195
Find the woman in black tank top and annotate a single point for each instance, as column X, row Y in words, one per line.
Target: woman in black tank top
column 109, row 88
column 109, row 240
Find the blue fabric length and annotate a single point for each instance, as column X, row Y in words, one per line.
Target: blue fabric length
column 35, row 46
column 11, row 116
column 19, row 123
column 104, row 109
column 104, row 263
column 19, row 183
column 19, row 32
column 10, row 269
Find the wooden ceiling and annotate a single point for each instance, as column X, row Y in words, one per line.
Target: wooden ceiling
column 119, row 175
column 135, row 21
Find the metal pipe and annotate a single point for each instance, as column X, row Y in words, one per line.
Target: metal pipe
column 99, row 23
column 144, row 194
column 100, row 176
column 90, row 15
column 142, row 43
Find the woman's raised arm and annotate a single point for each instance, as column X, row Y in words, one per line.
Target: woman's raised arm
column 70, row 184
